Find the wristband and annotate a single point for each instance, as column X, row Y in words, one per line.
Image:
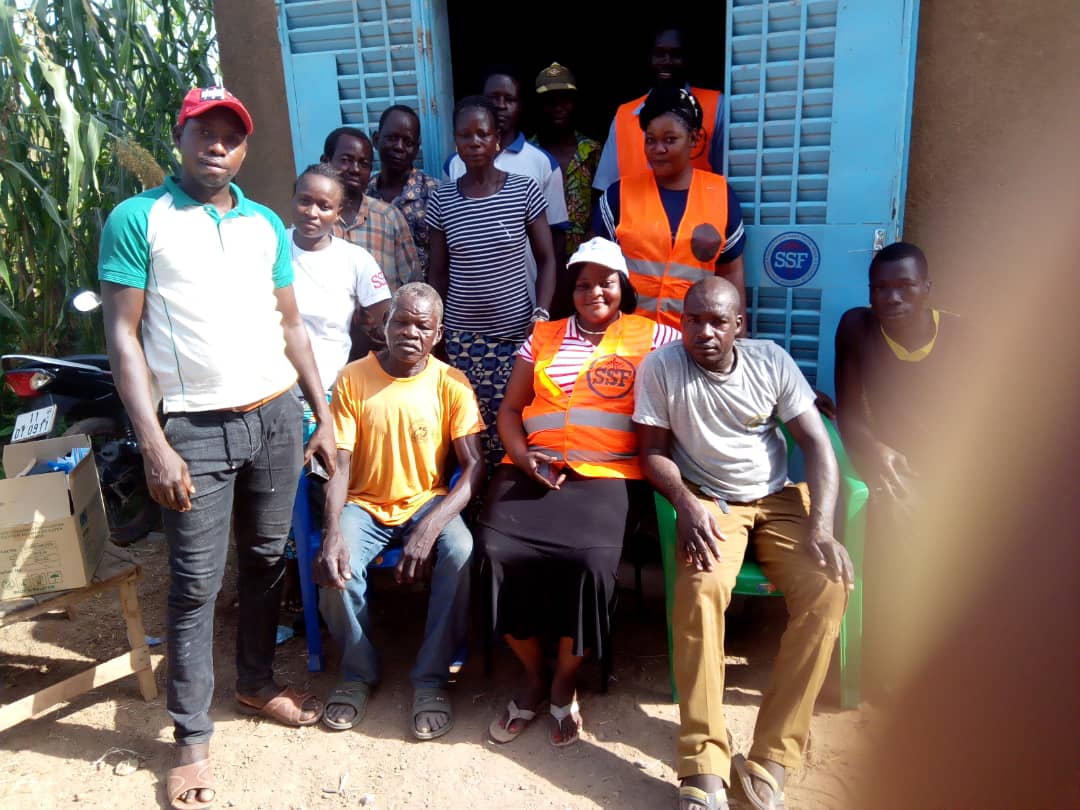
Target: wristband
column 540, row 314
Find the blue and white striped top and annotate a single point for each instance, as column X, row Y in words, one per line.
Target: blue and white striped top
column 487, row 244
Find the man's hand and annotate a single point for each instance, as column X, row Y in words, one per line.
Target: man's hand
column 829, row 554
column 331, row 567
column 168, row 478
column 699, row 535
column 541, row 467
column 893, row 469
column 322, row 443
column 416, row 556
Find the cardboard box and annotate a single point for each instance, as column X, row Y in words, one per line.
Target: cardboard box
column 52, row 525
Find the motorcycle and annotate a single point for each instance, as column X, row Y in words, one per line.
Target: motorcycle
column 78, row 393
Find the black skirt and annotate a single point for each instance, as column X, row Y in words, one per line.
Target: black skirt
column 554, row 554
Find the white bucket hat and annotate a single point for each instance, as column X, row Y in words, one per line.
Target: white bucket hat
column 600, row 251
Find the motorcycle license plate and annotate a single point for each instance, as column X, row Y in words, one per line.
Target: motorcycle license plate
column 32, row 424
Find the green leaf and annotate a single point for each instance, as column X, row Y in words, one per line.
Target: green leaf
column 47, row 199
column 95, row 133
column 69, row 124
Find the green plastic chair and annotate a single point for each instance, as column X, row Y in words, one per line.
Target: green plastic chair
column 751, row 581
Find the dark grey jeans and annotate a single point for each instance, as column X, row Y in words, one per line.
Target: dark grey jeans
column 245, row 468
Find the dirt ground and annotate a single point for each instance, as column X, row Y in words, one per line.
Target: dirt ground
column 83, row 754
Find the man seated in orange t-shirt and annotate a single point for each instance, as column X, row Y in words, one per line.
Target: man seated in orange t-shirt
column 397, row 413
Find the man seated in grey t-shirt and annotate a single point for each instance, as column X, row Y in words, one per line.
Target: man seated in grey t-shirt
column 708, row 412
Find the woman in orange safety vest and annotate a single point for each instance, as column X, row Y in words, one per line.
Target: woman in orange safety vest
column 560, row 504
column 674, row 223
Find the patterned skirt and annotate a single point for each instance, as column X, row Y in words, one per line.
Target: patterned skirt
column 487, row 362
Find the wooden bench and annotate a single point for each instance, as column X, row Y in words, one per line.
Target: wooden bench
column 116, row 571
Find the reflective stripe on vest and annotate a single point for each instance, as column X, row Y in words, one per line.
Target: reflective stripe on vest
column 630, row 139
column 649, row 307
column 660, row 271
column 591, row 428
column 586, row 417
column 586, row 456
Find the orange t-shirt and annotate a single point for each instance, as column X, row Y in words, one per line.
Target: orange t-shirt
column 400, row 430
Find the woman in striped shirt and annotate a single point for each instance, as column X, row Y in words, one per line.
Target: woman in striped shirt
column 482, row 227
column 558, row 508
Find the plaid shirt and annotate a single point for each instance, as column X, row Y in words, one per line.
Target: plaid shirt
column 380, row 229
column 412, row 202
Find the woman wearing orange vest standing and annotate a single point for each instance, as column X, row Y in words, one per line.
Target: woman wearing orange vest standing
column 559, row 505
column 675, row 224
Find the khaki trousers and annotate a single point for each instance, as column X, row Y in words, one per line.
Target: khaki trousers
column 777, row 525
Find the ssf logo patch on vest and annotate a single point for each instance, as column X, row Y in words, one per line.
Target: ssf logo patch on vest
column 610, row 377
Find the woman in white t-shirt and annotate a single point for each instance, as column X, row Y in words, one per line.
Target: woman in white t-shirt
column 336, row 282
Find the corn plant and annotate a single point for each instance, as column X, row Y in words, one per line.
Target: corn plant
column 89, row 91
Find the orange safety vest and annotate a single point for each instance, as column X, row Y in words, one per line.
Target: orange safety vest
column 590, row 429
column 661, row 272
column 630, row 140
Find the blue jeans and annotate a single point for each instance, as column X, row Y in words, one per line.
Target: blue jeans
column 346, row 612
column 245, row 468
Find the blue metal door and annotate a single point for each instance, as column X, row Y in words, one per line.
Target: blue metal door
column 348, row 60
column 818, row 121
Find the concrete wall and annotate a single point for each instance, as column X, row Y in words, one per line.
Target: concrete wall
column 251, row 68
column 996, row 81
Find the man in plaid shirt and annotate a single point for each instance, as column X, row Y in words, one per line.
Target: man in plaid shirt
column 373, row 224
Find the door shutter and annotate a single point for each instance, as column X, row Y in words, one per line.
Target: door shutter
column 348, row 60
column 819, row 101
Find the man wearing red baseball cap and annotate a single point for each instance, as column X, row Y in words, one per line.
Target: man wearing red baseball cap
column 207, row 345
column 200, row 100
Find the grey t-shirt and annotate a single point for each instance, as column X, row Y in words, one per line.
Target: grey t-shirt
column 725, row 427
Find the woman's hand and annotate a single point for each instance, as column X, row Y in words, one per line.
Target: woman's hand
column 541, row 467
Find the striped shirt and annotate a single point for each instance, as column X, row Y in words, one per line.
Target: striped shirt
column 575, row 351
column 487, row 242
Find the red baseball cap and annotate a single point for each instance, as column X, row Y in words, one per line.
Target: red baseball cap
column 200, row 99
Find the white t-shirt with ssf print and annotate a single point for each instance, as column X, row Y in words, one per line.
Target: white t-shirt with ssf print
column 329, row 284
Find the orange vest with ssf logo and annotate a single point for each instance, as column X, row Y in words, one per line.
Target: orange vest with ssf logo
column 630, row 139
column 590, row 429
column 660, row 271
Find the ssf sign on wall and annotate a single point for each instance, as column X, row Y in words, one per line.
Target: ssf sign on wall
column 792, row 259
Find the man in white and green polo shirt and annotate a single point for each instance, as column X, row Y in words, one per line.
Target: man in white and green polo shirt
column 200, row 317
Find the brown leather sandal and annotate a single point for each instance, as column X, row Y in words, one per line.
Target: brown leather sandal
column 286, row 707
column 193, row 776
